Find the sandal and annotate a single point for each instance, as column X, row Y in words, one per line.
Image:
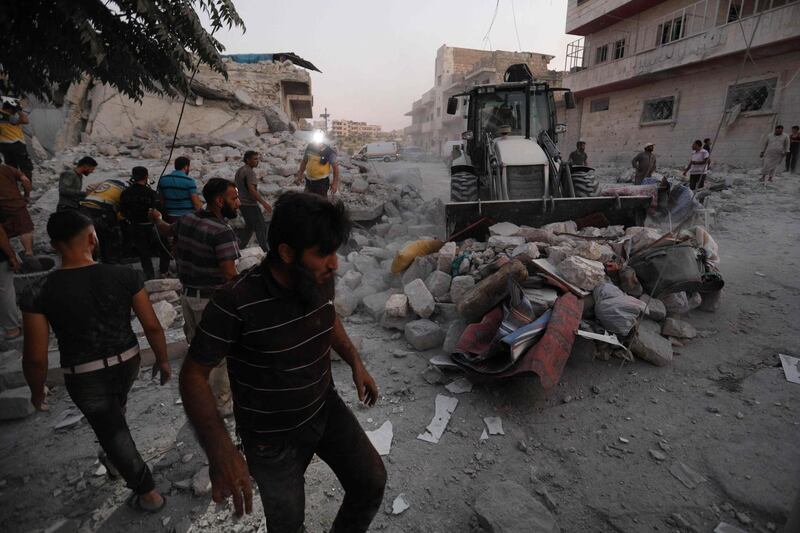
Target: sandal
column 134, row 503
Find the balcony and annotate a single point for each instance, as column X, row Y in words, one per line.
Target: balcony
column 589, row 16
column 665, row 46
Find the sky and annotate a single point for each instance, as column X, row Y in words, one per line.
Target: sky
column 377, row 56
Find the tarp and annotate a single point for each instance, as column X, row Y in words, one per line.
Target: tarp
column 279, row 56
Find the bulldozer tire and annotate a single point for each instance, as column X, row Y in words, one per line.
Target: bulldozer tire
column 463, row 187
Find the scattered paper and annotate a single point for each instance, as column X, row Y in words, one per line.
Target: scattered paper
column 459, row 386
column 400, row 504
column 381, row 438
column 686, row 475
column 445, row 405
column 494, row 424
column 791, row 368
column 68, row 417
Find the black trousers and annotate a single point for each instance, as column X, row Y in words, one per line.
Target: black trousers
column 101, row 396
column 108, row 232
column 792, row 157
column 319, row 187
column 278, row 465
column 16, row 155
column 146, row 243
column 696, row 181
column 253, row 223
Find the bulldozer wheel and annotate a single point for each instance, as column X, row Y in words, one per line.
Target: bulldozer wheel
column 463, row 187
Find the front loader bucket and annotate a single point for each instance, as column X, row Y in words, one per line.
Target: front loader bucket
column 618, row 210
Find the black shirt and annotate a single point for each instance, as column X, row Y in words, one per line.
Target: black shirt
column 3, row 256
column 89, row 309
column 136, row 201
column 278, row 350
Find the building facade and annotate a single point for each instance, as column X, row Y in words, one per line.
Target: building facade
column 672, row 71
column 457, row 69
column 350, row 128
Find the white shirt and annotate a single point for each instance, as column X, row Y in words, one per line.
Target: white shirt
column 698, row 166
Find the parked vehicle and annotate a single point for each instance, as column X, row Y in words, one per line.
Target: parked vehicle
column 387, row 151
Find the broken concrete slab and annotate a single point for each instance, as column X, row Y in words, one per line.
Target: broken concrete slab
column 447, row 254
column 459, row 286
column 420, row 268
column 672, row 327
column 443, row 410
column 504, row 229
column 655, row 309
column 584, row 273
column 648, row 344
column 376, row 303
column 529, row 250
column 15, row 403
column 162, row 285
column 424, row 334
column 459, row 386
column 420, row 298
column 400, row 504
column 438, row 283
column 396, row 306
column 381, row 438
column 507, row 507
column 498, row 241
column 494, row 424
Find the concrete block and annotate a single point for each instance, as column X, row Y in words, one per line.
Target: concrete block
column 438, row 283
column 397, row 306
column 648, row 344
column 673, row 327
column 376, row 303
column 424, row 334
column 459, row 287
column 420, row 298
column 15, row 403
column 582, row 272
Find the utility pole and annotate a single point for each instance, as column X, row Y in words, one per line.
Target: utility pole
column 325, row 115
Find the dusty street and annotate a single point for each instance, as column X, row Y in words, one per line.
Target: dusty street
column 598, row 451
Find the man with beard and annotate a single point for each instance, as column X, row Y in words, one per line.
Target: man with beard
column 70, row 184
column 206, row 250
column 276, row 325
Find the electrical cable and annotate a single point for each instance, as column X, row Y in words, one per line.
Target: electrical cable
column 514, row 13
column 494, row 16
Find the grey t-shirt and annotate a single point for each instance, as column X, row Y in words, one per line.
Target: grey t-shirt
column 244, row 176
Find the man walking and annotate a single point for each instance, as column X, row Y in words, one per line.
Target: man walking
column 10, row 318
column 70, row 184
column 206, row 253
column 578, row 158
column 101, row 205
column 644, row 163
column 89, row 307
column 773, row 151
column 318, row 164
column 14, row 204
column 794, row 150
column 12, row 138
column 697, row 167
column 276, row 325
column 135, row 205
column 178, row 191
column 247, row 184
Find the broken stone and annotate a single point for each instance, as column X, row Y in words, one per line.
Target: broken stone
column 165, row 296
column 396, row 306
column 443, row 411
column 424, row 334
column 494, row 424
column 557, row 254
column 568, row 226
column 655, row 309
column 166, row 313
column 454, row 332
column 201, row 482
column 501, row 242
column 15, row 403
column 657, row 455
column 686, row 475
column 420, row 298
column 346, row 303
column 381, row 438
column 400, row 504
column 648, row 344
column 359, row 186
column 529, row 250
column 459, row 386
column 676, row 303
column 447, row 254
column 375, row 304
column 433, row 375
column 504, row 229
column 507, row 507
column 351, row 279
column 589, row 250
column 438, row 283
column 491, row 290
column 162, row 285
column 537, row 235
column 673, row 327
column 582, row 272
column 420, row 268
column 629, row 283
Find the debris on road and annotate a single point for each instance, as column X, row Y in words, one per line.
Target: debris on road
column 399, row 505
column 444, row 407
column 459, row 386
column 686, row 475
column 494, row 424
column 791, row 368
column 381, row 438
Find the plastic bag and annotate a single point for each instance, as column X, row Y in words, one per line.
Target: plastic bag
column 616, row 311
column 406, row 255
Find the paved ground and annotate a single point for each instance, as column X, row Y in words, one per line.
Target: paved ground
column 722, row 409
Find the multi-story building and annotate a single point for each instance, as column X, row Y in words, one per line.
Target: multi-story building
column 350, row 128
column 456, row 70
column 672, row 71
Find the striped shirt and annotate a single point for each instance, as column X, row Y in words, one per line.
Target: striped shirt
column 177, row 189
column 203, row 241
column 277, row 349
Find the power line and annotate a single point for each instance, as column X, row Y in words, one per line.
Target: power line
column 514, row 12
column 486, row 37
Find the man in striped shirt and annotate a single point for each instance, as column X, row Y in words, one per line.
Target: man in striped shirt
column 276, row 325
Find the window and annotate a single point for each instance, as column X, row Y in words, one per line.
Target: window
column 438, row 80
column 671, row 30
column 752, row 96
column 619, row 49
column 601, row 54
column 601, row 104
column 658, row 109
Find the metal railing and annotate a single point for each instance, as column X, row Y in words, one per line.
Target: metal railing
column 574, row 60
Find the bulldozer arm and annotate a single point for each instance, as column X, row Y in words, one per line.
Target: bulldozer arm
column 461, row 217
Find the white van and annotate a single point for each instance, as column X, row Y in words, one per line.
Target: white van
column 380, row 150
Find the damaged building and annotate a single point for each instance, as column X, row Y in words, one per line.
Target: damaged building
column 263, row 93
column 455, row 71
column 672, row 71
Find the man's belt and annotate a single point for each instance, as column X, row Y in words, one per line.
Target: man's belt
column 193, row 292
column 91, row 366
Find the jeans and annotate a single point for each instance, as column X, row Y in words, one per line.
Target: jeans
column 145, row 242
column 253, row 223
column 319, row 187
column 101, row 396
column 278, row 464
column 10, row 317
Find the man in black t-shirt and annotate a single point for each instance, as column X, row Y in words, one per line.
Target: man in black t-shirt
column 88, row 304
column 135, row 204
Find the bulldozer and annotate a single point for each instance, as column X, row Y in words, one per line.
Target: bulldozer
column 510, row 168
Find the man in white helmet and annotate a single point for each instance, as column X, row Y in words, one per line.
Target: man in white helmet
column 318, row 165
